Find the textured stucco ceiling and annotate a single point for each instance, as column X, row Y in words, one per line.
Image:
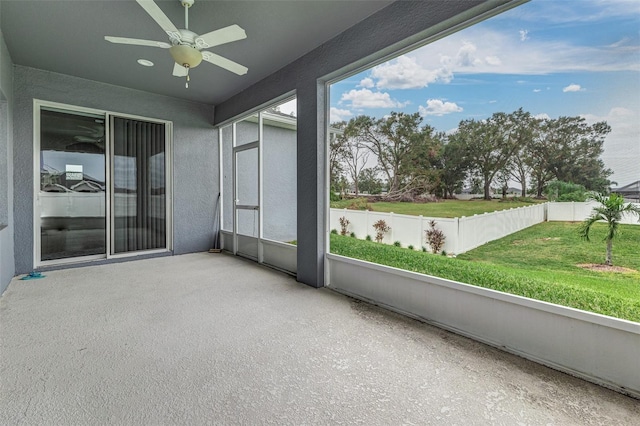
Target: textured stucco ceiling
column 68, row 37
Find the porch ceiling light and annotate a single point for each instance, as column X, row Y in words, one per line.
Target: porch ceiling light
column 187, row 56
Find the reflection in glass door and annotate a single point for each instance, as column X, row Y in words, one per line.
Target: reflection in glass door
column 72, row 185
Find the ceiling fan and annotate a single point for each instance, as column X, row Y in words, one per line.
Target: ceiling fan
column 186, row 47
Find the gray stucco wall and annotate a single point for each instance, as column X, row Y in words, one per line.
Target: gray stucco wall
column 280, row 186
column 195, row 152
column 398, row 26
column 7, row 260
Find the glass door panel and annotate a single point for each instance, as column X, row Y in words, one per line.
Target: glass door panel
column 247, row 214
column 139, row 186
column 72, row 185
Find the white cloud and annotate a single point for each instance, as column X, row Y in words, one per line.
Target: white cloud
column 466, row 55
column 540, row 57
column 493, row 60
column 367, row 83
column 542, row 116
column 536, row 90
column 438, row 108
column 405, row 73
column 337, row 114
column 493, row 101
column 365, row 98
column 524, row 35
column 573, row 88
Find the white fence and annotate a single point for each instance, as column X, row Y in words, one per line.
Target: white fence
column 577, row 212
column 462, row 234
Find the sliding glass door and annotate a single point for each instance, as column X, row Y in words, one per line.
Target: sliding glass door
column 72, row 185
column 139, row 185
column 103, row 184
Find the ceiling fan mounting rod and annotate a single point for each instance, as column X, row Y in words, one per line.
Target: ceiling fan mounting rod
column 186, row 4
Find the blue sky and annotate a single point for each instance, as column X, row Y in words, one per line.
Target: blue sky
column 552, row 58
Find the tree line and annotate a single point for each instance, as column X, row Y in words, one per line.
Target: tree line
column 413, row 159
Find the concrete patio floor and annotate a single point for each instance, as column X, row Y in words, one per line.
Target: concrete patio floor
column 209, row 338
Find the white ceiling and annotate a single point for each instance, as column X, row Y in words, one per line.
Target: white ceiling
column 68, row 37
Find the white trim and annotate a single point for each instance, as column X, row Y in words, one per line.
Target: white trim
column 234, row 188
column 38, row 106
column 327, row 182
column 260, row 192
column 220, row 184
column 168, row 176
column 138, row 253
column 69, row 260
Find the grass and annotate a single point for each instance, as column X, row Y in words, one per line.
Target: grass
column 538, row 263
column 445, row 208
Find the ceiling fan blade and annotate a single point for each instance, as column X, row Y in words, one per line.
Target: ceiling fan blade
column 224, row 63
column 221, row 36
column 137, row 42
column 158, row 15
column 179, row 70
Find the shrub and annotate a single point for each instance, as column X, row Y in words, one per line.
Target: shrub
column 368, row 238
column 381, row 228
column 397, row 244
column 353, row 234
column 565, row 191
column 334, row 231
column 424, row 249
column 359, row 204
column 410, row 247
column 344, row 224
column 435, row 237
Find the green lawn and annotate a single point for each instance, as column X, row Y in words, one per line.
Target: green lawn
column 538, row 262
column 445, row 208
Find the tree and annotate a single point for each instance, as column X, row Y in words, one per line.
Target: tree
column 610, row 210
column 490, row 144
column 354, row 153
column 568, row 149
column 578, row 147
column 336, row 152
column 453, row 165
column 404, row 150
column 502, row 180
column 369, row 181
column 537, row 156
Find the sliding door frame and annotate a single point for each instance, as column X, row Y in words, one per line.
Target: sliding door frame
column 168, row 161
column 107, row 115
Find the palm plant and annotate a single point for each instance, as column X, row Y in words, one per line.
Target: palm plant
column 610, row 210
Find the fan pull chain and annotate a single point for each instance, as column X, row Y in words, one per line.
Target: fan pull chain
column 186, row 85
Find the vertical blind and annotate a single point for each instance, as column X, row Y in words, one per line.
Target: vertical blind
column 139, row 199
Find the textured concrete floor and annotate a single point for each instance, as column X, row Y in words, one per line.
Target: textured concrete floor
column 208, row 338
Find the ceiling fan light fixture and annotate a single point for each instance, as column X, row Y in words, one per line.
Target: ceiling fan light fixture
column 187, row 56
